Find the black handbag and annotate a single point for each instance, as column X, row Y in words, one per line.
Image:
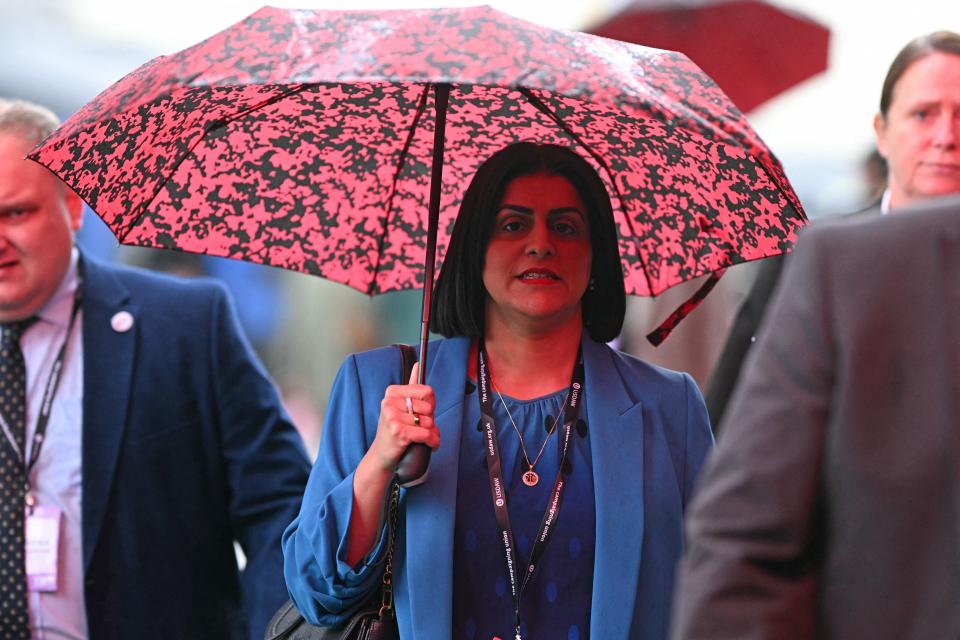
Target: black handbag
column 375, row 620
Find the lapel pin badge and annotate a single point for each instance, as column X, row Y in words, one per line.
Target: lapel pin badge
column 121, row 321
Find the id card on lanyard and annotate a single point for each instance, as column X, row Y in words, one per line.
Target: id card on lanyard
column 43, row 547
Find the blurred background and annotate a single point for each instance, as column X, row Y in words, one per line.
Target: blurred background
column 807, row 73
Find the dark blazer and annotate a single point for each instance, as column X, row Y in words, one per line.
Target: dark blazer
column 185, row 449
column 743, row 333
column 830, row 506
column 646, row 455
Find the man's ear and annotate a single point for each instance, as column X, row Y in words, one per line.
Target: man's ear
column 74, row 206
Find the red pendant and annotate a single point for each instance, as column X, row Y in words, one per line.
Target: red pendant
column 530, row 478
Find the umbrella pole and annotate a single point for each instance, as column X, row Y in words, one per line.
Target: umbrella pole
column 440, row 94
column 412, row 469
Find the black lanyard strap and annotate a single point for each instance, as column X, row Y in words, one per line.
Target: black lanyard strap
column 50, row 391
column 498, row 490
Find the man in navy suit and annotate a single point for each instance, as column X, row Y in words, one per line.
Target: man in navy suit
column 148, row 439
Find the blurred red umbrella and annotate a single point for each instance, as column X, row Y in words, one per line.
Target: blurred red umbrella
column 752, row 49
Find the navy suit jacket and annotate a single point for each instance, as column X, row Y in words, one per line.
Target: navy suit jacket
column 185, row 449
column 646, row 455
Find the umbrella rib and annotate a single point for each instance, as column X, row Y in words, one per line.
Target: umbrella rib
column 216, row 124
column 421, row 106
column 539, row 104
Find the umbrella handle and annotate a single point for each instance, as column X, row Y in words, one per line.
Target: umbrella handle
column 413, row 466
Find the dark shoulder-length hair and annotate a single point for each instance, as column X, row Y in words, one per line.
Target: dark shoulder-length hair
column 916, row 49
column 459, row 296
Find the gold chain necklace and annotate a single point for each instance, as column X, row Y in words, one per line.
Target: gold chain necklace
column 530, row 477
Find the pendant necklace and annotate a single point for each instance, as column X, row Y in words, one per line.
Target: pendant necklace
column 531, row 477
column 518, row 577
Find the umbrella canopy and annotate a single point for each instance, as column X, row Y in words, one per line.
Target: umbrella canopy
column 304, row 139
column 753, row 50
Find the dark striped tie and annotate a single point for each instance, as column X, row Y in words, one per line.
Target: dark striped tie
column 14, row 619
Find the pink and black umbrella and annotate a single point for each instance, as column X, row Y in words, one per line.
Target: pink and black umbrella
column 315, row 141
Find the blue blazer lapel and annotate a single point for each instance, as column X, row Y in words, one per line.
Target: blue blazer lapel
column 108, row 357
column 617, row 449
column 431, row 507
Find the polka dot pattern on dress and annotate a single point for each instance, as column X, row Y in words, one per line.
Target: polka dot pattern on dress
column 14, row 620
column 556, row 603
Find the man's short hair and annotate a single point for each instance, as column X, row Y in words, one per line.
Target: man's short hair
column 459, row 300
column 26, row 119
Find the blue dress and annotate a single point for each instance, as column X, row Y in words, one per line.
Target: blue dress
column 556, row 602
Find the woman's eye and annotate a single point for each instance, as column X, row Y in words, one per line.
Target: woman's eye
column 511, row 225
column 565, row 228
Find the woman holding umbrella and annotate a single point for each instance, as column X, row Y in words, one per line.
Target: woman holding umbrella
column 561, row 467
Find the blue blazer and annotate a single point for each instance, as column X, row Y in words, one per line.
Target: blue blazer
column 185, row 449
column 649, row 438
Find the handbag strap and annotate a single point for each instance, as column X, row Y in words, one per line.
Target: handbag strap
column 407, row 359
column 386, row 589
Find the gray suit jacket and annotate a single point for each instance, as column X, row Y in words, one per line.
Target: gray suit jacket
column 728, row 370
column 829, row 508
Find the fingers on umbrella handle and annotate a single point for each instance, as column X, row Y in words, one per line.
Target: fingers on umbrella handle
column 413, row 466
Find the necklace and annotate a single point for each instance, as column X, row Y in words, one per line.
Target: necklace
column 517, row 578
column 531, row 477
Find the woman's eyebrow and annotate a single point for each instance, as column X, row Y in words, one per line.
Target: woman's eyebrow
column 516, row 208
column 562, row 210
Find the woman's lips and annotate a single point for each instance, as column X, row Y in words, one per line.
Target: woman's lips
column 538, row 275
column 939, row 166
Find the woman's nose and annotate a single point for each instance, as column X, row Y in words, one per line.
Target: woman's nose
column 539, row 242
column 947, row 134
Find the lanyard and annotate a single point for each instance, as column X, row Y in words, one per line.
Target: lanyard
column 498, row 490
column 43, row 418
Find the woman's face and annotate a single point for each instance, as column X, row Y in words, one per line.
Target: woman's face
column 920, row 135
column 537, row 262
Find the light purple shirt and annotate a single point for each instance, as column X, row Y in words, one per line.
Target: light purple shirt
column 56, row 477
